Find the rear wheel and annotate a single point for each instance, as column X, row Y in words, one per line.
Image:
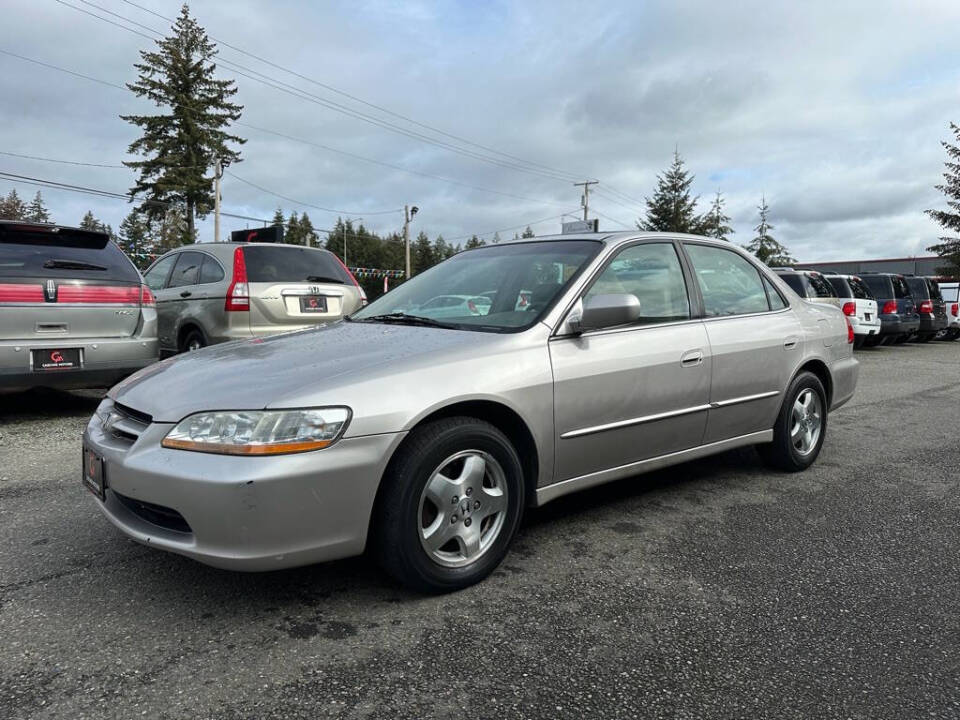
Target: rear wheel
column 858, row 341
column 192, row 340
column 801, row 426
column 449, row 507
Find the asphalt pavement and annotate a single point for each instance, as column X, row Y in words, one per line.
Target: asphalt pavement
column 715, row 589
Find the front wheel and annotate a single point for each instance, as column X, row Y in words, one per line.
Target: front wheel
column 450, row 505
column 801, row 426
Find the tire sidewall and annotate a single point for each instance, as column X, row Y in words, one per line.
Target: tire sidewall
column 414, row 472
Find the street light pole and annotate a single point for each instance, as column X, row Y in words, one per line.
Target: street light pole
column 217, row 174
column 408, row 213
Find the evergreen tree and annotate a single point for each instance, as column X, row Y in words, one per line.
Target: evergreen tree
column 422, row 254
column 37, row 211
column 308, row 235
column 474, row 242
column 135, row 238
column 89, row 222
column 496, row 238
column 292, row 233
column 528, row 233
column 949, row 247
column 173, row 230
column 278, row 218
column 672, row 209
column 180, row 146
column 443, row 250
column 763, row 245
column 716, row 223
column 12, row 207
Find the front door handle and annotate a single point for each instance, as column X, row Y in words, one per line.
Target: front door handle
column 691, row 358
column 186, row 293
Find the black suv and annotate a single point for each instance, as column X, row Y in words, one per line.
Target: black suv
column 898, row 312
column 930, row 305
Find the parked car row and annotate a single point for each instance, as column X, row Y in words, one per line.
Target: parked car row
column 883, row 308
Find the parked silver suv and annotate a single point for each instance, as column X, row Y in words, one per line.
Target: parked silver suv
column 210, row 293
column 73, row 310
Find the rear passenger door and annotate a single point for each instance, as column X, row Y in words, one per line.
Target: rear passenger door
column 173, row 302
column 754, row 341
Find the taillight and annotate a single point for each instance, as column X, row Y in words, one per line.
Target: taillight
column 146, row 297
column 238, row 294
column 955, row 309
column 363, row 294
column 99, row 294
column 850, row 308
column 17, row 293
column 889, row 307
column 849, row 331
column 926, row 307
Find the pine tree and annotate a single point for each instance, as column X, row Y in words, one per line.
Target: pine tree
column 474, row 242
column 135, row 238
column 180, row 146
column 528, row 233
column 12, row 207
column 763, row 245
column 422, row 254
column 443, row 250
column 173, row 230
column 90, row 222
column 308, row 235
column 278, row 218
column 672, row 209
column 37, row 211
column 292, row 233
column 949, row 247
column 716, row 223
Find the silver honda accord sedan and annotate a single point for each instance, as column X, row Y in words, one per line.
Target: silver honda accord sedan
column 422, row 435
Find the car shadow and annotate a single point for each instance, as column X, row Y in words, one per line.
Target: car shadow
column 41, row 403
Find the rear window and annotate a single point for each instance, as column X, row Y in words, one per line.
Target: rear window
column 841, row 286
column 65, row 254
column 292, row 264
column 879, row 285
column 900, row 287
column 821, row 288
column 860, row 290
column 934, row 290
column 796, row 283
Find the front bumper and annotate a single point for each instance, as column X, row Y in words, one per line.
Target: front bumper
column 242, row 513
column 105, row 362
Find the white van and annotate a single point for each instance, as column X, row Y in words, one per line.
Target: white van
column 951, row 297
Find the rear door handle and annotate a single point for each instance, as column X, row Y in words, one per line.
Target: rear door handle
column 691, row 358
column 790, row 343
column 186, row 293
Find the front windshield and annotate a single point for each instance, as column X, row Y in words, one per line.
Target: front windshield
column 498, row 288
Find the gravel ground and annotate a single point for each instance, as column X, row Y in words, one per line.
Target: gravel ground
column 715, row 589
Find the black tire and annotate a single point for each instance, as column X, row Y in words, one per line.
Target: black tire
column 900, row 339
column 926, row 337
column 873, row 341
column 193, row 339
column 781, row 453
column 859, row 341
column 397, row 517
column 952, row 334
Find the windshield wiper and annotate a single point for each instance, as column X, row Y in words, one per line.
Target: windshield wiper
column 403, row 319
column 322, row 278
column 72, row 265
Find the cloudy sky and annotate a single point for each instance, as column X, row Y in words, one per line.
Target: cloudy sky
column 832, row 110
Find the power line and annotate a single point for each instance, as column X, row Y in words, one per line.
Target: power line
column 323, row 102
column 360, row 100
column 316, row 207
column 62, row 162
column 64, row 70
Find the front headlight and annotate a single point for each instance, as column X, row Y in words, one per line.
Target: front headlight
column 259, row 432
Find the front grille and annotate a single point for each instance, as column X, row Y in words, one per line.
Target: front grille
column 167, row 518
column 127, row 424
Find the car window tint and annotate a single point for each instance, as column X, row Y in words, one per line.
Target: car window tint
column 934, row 290
column 210, row 271
column 795, row 282
column 821, row 288
column 773, row 296
column 293, row 264
column 879, row 285
column 911, row 287
column 156, row 276
column 187, row 269
column 840, row 286
column 730, row 285
column 860, row 290
column 651, row 273
column 49, row 255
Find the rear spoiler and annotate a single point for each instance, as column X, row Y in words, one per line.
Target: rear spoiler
column 37, row 234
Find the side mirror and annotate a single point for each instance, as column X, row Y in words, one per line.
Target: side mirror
column 602, row 311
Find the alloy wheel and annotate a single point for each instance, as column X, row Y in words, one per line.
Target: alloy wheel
column 806, row 422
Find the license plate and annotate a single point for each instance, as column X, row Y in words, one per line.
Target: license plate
column 313, row 304
column 53, row 359
column 867, row 316
column 93, row 478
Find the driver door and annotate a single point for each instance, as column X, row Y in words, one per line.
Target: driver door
column 629, row 393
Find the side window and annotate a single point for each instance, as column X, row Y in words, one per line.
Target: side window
column 730, row 285
column 773, row 296
column 187, row 269
column 156, row 276
column 652, row 273
column 796, row 283
column 821, row 288
column 210, row 271
column 860, row 290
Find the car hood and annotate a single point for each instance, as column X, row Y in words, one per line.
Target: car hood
column 257, row 373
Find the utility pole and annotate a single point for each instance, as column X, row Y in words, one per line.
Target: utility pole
column 585, row 200
column 408, row 213
column 217, row 174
